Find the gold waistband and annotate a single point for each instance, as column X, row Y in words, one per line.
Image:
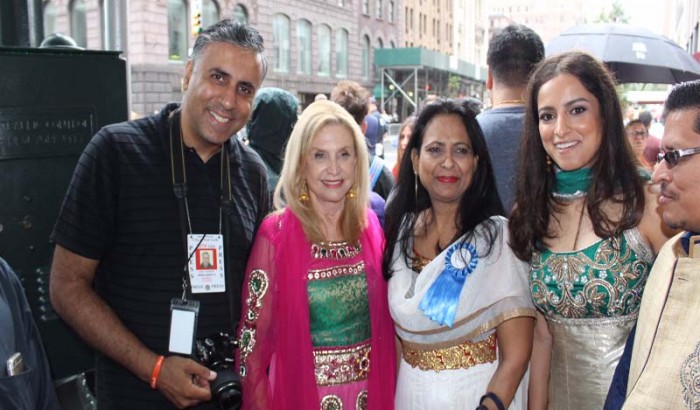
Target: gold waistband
column 462, row 356
column 339, row 366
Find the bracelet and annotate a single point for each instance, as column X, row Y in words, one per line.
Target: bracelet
column 156, row 372
column 494, row 398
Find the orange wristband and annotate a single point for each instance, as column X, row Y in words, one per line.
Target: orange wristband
column 156, row 372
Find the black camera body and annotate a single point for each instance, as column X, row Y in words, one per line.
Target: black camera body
column 216, row 353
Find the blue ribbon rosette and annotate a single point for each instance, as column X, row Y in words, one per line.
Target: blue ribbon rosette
column 441, row 300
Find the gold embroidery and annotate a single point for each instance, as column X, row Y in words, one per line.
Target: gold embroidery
column 462, row 356
column 257, row 288
column 361, row 403
column 331, row 402
column 574, row 285
column 419, row 262
column 336, row 271
column 335, row 250
column 340, row 366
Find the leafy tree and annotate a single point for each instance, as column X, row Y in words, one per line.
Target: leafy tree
column 616, row 14
column 454, row 84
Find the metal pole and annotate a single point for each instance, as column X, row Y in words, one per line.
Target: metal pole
column 116, row 34
column 382, row 91
column 415, row 89
column 35, row 17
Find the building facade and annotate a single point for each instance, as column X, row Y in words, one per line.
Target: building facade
column 682, row 24
column 546, row 17
column 310, row 44
column 429, row 25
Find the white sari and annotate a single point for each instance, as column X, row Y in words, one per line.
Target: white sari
column 497, row 290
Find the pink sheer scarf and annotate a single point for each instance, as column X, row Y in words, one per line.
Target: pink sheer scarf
column 286, row 344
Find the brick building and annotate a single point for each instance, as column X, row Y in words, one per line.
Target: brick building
column 311, row 44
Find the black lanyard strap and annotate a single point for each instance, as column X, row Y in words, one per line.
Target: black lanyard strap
column 179, row 180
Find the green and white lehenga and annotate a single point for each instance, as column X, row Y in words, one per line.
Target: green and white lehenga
column 591, row 300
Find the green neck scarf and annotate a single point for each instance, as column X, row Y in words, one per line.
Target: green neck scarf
column 572, row 184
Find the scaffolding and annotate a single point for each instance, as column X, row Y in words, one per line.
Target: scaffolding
column 415, row 73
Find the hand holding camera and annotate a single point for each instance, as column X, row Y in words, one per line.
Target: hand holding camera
column 185, row 382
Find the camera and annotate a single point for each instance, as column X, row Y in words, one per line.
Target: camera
column 216, row 353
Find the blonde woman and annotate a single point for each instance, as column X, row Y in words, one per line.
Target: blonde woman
column 316, row 330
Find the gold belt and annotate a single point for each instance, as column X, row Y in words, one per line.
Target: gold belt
column 339, row 366
column 462, row 356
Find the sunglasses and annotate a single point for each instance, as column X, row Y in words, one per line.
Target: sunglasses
column 672, row 157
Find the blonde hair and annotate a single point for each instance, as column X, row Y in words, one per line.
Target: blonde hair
column 354, row 217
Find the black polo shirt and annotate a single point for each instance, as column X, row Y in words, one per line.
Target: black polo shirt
column 120, row 209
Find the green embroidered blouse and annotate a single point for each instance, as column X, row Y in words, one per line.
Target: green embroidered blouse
column 605, row 279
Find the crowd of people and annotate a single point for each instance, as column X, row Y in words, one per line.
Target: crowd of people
column 529, row 256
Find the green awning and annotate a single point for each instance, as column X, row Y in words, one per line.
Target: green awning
column 424, row 58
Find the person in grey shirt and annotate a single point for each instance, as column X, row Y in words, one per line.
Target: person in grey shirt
column 512, row 54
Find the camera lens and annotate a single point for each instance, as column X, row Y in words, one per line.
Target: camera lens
column 226, row 390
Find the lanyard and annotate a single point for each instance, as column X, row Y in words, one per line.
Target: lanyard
column 177, row 169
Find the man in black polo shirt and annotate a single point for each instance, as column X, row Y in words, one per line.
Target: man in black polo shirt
column 122, row 227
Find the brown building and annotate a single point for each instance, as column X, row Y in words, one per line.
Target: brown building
column 429, row 25
column 311, row 44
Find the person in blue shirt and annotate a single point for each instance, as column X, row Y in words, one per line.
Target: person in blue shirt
column 32, row 388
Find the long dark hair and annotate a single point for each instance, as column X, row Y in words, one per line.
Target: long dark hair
column 478, row 204
column 615, row 175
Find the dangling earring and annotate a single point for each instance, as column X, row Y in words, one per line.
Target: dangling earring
column 304, row 193
column 549, row 163
column 351, row 194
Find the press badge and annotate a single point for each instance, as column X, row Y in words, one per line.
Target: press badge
column 206, row 266
column 183, row 325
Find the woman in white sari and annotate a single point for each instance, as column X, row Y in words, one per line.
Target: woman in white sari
column 458, row 296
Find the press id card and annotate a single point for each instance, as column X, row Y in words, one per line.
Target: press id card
column 206, row 266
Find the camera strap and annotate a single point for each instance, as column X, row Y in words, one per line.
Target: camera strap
column 179, row 181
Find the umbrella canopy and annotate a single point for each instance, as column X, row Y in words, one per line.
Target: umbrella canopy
column 633, row 54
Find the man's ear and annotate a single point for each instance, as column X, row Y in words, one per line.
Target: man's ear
column 189, row 67
column 489, row 79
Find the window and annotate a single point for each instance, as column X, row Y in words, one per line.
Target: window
column 210, row 13
column 324, row 50
column 365, row 7
column 341, row 53
column 380, row 43
column 365, row 57
column 392, row 45
column 304, row 47
column 341, row 3
column 49, row 18
column 240, row 13
column 177, row 30
column 390, row 12
column 78, row 22
column 378, row 4
column 280, row 42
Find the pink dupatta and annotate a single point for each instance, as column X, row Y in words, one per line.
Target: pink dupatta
column 283, row 336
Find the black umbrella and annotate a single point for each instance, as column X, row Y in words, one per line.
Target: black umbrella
column 634, row 54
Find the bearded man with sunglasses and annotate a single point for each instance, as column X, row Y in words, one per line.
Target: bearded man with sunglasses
column 661, row 363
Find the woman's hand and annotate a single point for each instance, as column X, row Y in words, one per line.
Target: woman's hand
column 514, row 348
column 538, row 390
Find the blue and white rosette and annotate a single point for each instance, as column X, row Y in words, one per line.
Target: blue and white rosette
column 441, row 300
